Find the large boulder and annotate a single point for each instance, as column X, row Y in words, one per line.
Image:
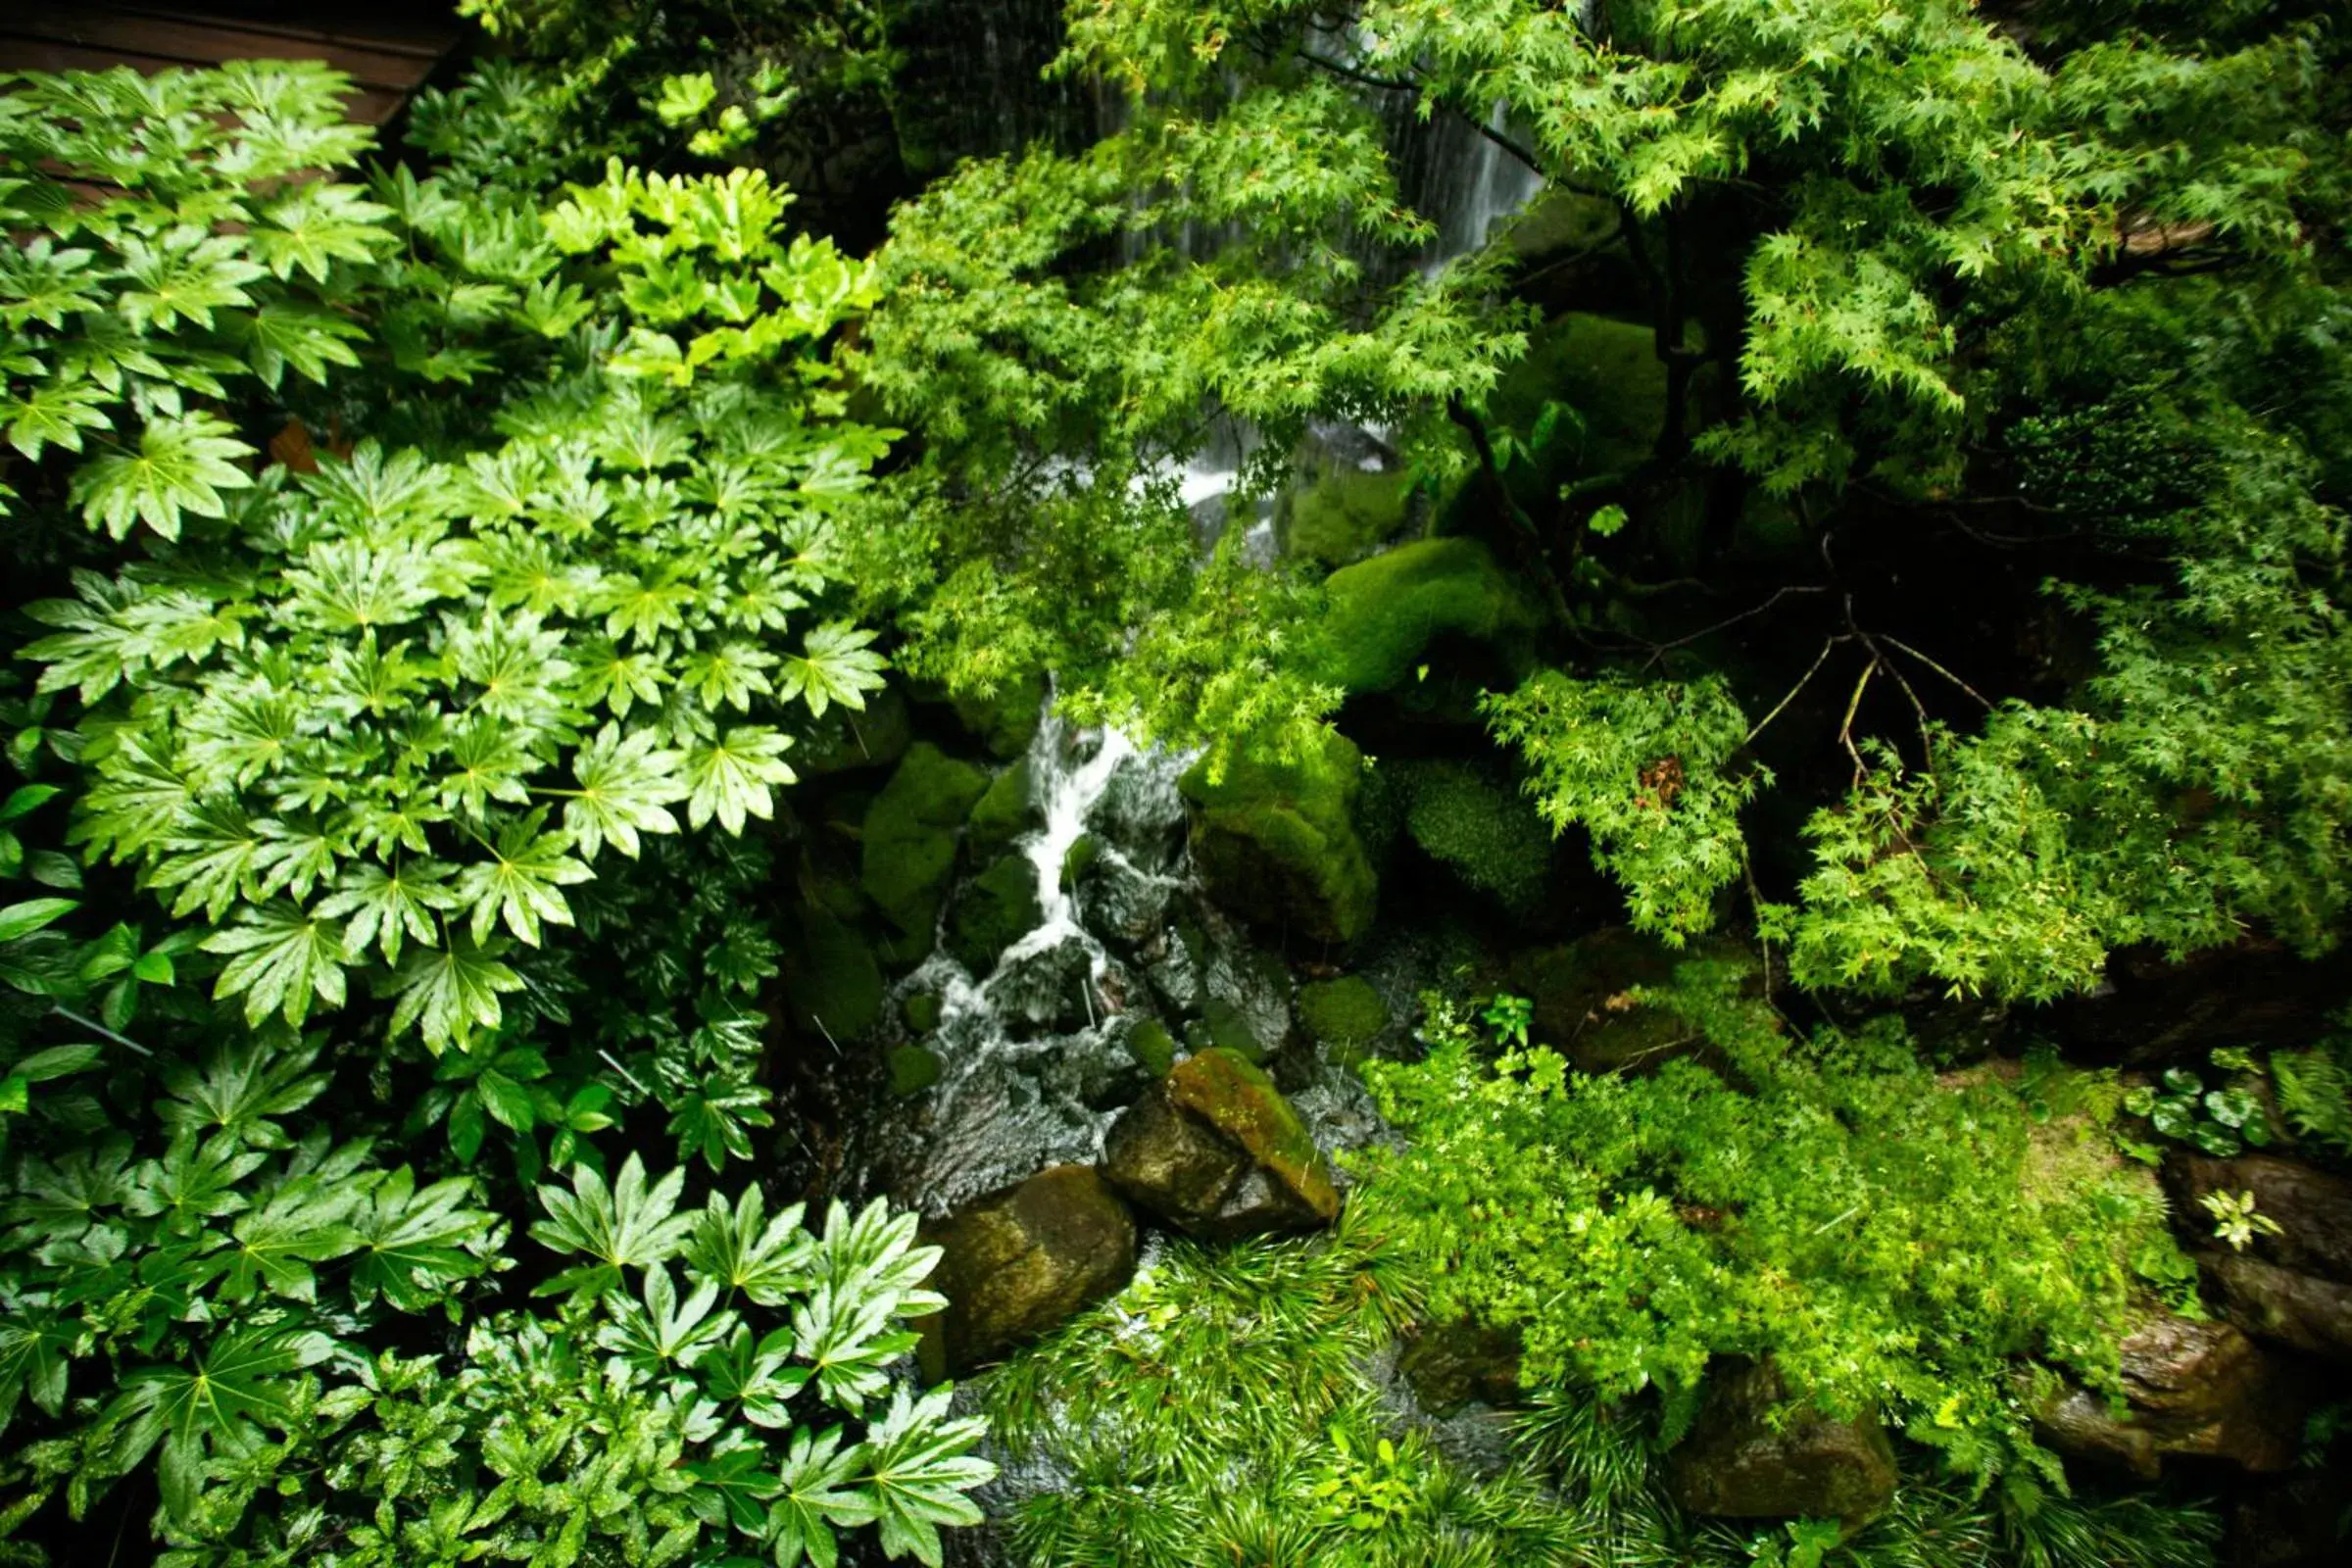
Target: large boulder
column 1215, row 1150
column 1741, row 1462
column 1004, row 720
column 1385, row 612
column 1276, row 844
column 909, row 839
column 997, row 908
column 831, row 977
column 2301, row 1311
column 2313, row 1208
column 2198, row 1389
column 1020, row 1261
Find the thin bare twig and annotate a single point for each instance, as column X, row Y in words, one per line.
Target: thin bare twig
column 1845, row 729
column 1779, row 707
column 1980, row 697
column 1777, row 594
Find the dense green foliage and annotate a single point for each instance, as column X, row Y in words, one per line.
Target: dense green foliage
column 1889, row 1240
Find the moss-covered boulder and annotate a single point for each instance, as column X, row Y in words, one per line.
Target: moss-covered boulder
column 913, row 1069
column 1214, row 1148
column 907, row 853
column 1276, row 843
column 922, row 1010
column 1004, row 720
column 1152, row 1047
column 832, row 981
column 1609, row 373
column 1343, row 1016
column 1386, row 611
column 1020, row 1261
column 1751, row 1455
column 1584, row 1006
column 1004, row 812
column 1343, row 514
column 1472, row 821
column 992, row 914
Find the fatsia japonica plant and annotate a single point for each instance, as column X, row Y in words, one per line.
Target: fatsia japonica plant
column 371, row 720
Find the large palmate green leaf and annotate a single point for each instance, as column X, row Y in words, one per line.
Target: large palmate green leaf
column 629, row 1224
column 182, row 467
column 241, row 1383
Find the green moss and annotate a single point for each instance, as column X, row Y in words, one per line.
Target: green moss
column 1076, row 860
column 831, row 978
column 1343, row 1016
column 846, row 739
column 1277, row 843
column 1225, row 1028
column 1006, row 720
column 1234, row 1094
column 922, row 1010
column 1385, row 612
column 1152, row 1047
column 1486, row 832
column 1003, row 813
column 1344, row 515
column 994, row 912
column 1609, row 373
column 1561, row 221
column 910, row 836
column 913, row 1069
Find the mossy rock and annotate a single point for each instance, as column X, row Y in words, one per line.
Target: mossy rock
column 1560, row 223
column 1489, row 833
column 1385, row 612
column 831, row 978
column 1078, row 859
column 1582, row 1003
column 1004, row 720
column 994, row 912
column 846, row 740
column 913, row 1069
column 1344, row 1015
column 1152, row 1047
column 1344, row 514
column 1020, row 1261
column 909, row 850
column 1609, row 373
column 1236, row 1098
column 923, row 1010
column 1006, row 810
column 1276, row 843
column 1225, row 1027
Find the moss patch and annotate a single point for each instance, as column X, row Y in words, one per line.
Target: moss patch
column 913, row 1069
column 1277, row 844
column 994, row 912
column 922, row 1010
column 1609, row 372
column 1006, row 812
column 1386, row 611
column 831, row 977
column 1343, row 1016
column 909, row 851
column 1344, row 515
column 1006, row 720
column 1152, row 1047
column 1488, row 833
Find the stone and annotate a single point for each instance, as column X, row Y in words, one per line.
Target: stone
column 1152, row 1047
column 908, row 851
column 1168, row 1163
column 1450, row 1364
column 2313, row 1208
column 1385, row 612
column 913, row 1069
column 1276, row 843
column 2254, row 992
column 1020, row 1261
column 2301, row 1311
column 1215, row 1150
column 1736, row 1463
column 1224, row 1025
column 997, row 908
column 1339, row 514
column 1046, row 992
column 1344, row 1016
column 2203, row 1391
column 1005, row 810
column 923, row 1010
column 831, row 977
column 1609, row 371
column 1582, row 1006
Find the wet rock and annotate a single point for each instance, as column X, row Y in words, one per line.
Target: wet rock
column 1276, row 844
column 923, row 1010
column 2313, row 1208
column 1123, row 901
column 2201, row 1389
column 909, row 850
column 996, row 910
column 1214, row 1148
column 2301, row 1311
column 1385, row 612
column 1152, row 1047
column 1343, row 1016
column 2148, row 1010
column 1450, row 1364
column 1046, row 992
column 1005, row 810
column 2293, row 1522
column 1583, row 1008
column 1020, row 1261
column 1170, row 1164
column 1737, row 1463
column 913, row 1069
